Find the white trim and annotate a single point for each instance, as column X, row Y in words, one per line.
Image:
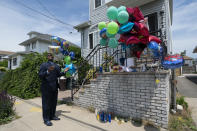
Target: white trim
column 92, row 32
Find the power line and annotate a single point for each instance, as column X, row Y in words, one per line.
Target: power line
column 45, row 8
column 43, row 14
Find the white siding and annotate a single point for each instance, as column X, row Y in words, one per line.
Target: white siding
column 42, row 46
column 19, row 59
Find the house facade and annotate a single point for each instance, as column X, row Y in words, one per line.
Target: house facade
column 188, row 61
column 159, row 13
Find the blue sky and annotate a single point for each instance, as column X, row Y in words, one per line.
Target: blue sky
column 16, row 21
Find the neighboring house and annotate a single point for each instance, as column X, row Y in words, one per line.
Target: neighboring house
column 159, row 13
column 188, row 61
column 4, row 54
column 37, row 42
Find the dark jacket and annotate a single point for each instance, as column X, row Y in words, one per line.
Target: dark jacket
column 49, row 79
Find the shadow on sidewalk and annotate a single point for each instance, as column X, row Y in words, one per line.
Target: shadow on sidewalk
column 84, row 123
column 59, row 112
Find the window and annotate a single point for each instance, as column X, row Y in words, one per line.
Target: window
column 28, row 47
column 14, row 61
column 33, row 45
column 152, row 22
column 97, row 3
column 91, row 40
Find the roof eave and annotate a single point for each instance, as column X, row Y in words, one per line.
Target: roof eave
column 82, row 25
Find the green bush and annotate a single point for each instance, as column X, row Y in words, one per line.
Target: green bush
column 24, row 81
column 6, row 107
column 4, row 63
column 181, row 101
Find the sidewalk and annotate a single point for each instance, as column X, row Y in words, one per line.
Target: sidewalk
column 72, row 119
column 193, row 106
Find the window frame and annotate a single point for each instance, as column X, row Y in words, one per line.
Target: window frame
column 156, row 21
column 14, row 61
column 95, row 4
column 91, row 45
column 33, row 45
column 93, row 34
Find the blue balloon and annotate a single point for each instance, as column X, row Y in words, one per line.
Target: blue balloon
column 71, row 67
column 126, row 28
column 172, row 62
column 104, row 30
column 154, row 46
column 72, row 55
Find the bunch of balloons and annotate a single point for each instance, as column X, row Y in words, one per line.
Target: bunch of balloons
column 128, row 27
column 62, row 45
column 69, row 65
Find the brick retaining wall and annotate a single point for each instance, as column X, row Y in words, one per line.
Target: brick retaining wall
column 134, row 95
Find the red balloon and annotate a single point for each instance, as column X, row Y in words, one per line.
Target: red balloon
column 133, row 40
column 154, row 38
column 143, row 30
column 135, row 14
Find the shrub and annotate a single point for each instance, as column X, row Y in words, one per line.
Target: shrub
column 6, row 107
column 181, row 101
column 24, row 81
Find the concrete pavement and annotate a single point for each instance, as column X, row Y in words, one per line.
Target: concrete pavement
column 188, row 88
column 72, row 119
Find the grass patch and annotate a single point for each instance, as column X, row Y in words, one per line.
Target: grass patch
column 182, row 121
column 91, row 109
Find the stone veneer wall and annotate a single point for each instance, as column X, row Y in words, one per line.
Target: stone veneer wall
column 134, row 95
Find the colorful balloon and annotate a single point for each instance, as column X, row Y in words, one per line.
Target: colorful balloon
column 122, row 8
column 113, row 43
column 112, row 13
column 55, row 39
column 173, row 61
column 103, row 33
column 67, row 60
column 126, row 28
column 102, row 25
column 112, row 28
column 72, row 55
column 103, row 42
column 123, row 17
column 110, row 35
column 71, row 70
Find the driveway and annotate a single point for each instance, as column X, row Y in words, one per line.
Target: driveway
column 187, row 85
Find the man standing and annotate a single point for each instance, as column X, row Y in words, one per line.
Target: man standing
column 49, row 73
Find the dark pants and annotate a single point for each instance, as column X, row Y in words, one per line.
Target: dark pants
column 49, row 102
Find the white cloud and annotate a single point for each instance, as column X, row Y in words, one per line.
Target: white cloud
column 184, row 27
column 15, row 25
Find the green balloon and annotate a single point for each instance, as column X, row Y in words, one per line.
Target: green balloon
column 103, row 42
column 112, row 13
column 67, row 60
column 123, row 17
column 122, row 8
column 113, row 43
column 110, row 35
column 112, row 28
column 101, row 25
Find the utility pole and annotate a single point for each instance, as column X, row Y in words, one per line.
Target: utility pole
column 173, row 90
